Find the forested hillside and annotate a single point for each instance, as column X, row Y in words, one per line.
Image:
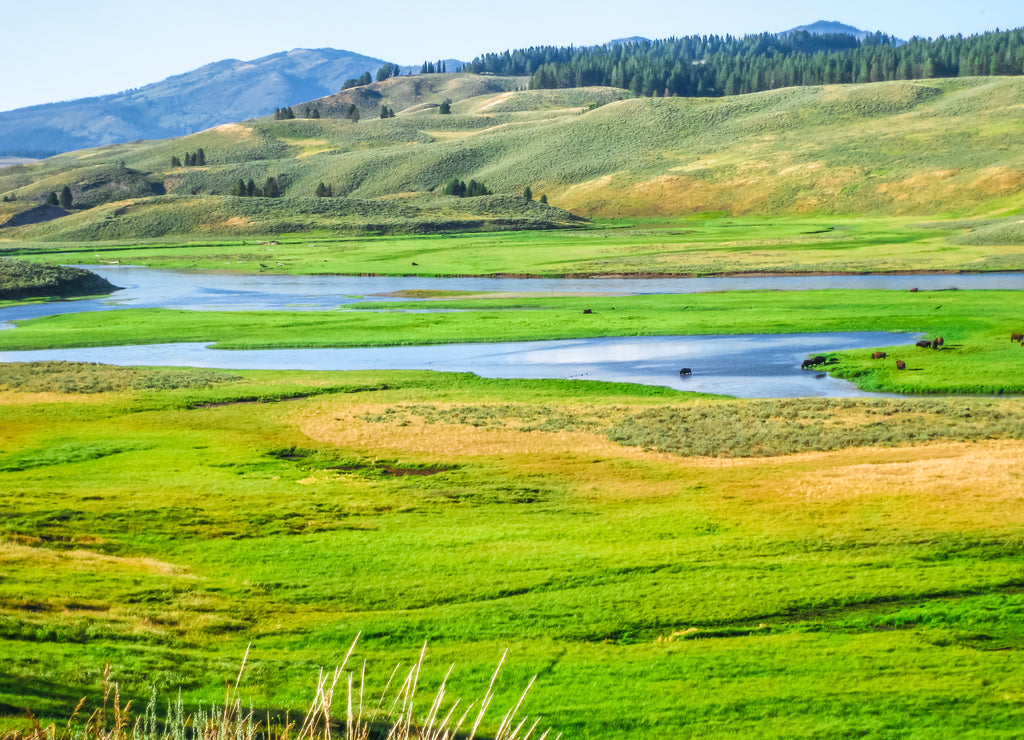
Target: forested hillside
column 725, row 65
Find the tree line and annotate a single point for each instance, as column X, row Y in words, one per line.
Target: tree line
column 192, row 159
column 273, row 188
column 727, row 65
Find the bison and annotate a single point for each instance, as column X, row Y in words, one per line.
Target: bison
column 1017, row 338
column 816, row 360
column 901, row 365
column 588, row 310
column 878, row 355
column 684, row 371
column 940, row 341
column 924, row 343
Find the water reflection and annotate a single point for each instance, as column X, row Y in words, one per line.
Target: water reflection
column 205, row 291
column 748, row 366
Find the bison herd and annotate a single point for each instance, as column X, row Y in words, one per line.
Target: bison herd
column 936, row 343
column 923, row 343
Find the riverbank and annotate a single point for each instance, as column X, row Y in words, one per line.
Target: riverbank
column 699, row 245
column 23, row 280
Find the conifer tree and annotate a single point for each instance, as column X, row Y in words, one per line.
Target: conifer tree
column 201, row 158
column 52, row 199
column 528, row 194
column 65, row 198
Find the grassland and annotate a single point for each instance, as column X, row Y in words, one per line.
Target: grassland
column 977, row 357
column 166, row 521
column 667, row 565
column 903, row 148
column 711, row 244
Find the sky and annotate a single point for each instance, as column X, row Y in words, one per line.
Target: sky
column 67, row 49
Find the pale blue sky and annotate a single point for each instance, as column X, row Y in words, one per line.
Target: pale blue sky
column 65, row 49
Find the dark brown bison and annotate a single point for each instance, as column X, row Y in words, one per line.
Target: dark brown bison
column 940, row 341
column 913, row 290
column 924, row 343
column 1017, row 337
column 878, row 355
column 811, row 362
column 588, row 310
column 901, row 365
column 684, row 371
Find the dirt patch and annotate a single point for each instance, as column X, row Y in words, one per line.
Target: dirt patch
column 496, row 100
column 235, row 130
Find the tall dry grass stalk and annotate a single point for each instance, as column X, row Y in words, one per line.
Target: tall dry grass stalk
column 394, row 716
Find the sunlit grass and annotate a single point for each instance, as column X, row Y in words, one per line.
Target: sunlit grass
column 650, row 592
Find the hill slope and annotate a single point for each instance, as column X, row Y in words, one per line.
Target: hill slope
column 929, row 147
column 225, row 91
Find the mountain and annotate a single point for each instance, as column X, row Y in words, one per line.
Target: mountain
column 221, row 92
column 820, row 28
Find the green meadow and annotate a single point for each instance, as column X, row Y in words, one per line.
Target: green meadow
column 666, row 564
column 977, row 355
column 708, row 244
column 162, row 521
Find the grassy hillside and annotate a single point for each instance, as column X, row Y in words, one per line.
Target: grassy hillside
column 928, row 147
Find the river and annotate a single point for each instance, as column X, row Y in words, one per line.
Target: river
column 753, row 366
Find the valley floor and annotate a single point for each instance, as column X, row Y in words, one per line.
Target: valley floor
column 163, row 520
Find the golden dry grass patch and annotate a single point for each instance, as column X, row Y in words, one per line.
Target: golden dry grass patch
column 19, row 398
column 235, row 130
column 969, row 485
column 342, row 425
column 496, row 100
column 13, row 554
column 237, row 221
column 998, row 181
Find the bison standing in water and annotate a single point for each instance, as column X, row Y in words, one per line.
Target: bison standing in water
column 816, row 360
column 901, row 365
column 684, row 371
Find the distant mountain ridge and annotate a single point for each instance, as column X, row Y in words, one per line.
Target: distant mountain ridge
column 222, row 92
column 827, row 27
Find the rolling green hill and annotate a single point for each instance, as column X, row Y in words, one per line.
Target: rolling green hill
column 894, row 148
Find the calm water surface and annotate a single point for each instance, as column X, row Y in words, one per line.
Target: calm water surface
column 755, row 366
column 180, row 289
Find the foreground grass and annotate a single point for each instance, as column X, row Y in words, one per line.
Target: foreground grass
column 977, row 356
column 165, row 525
column 708, row 244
